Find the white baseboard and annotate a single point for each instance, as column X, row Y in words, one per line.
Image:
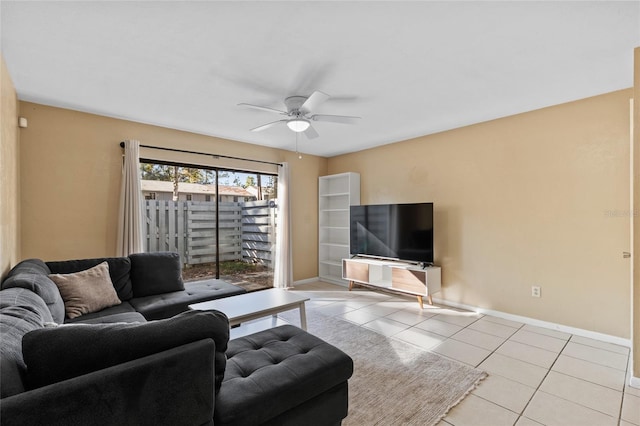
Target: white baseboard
column 517, row 318
column 539, row 323
column 306, row 281
column 316, row 279
column 634, row 382
column 341, row 283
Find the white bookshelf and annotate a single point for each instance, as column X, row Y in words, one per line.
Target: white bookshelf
column 336, row 193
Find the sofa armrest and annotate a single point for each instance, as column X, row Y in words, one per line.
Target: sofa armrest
column 172, row 387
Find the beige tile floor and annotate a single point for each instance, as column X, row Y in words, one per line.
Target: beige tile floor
column 537, row 376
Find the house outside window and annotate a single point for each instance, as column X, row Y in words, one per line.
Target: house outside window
column 184, row 185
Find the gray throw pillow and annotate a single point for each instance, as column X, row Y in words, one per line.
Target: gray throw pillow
column 119, row 268
column 86, row 291
column 60, row 353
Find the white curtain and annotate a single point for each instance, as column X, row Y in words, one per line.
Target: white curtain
column 283, row 272
column 131, row 219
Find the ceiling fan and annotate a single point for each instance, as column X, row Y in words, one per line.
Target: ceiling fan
column 299, row 114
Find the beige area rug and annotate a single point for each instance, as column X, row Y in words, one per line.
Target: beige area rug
column 394, row 383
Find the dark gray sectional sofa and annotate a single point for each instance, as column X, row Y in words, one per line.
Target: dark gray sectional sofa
column 149, row 284
column 150, row 360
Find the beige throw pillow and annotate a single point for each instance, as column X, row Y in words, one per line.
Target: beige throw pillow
column 86, row 291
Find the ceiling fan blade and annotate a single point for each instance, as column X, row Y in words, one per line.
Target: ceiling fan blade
column 344, row 119
column 311, row 133
column 266, row 126
column 263, row 108
column 313, row 101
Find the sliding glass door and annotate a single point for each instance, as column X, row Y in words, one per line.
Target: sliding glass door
column 221, row 222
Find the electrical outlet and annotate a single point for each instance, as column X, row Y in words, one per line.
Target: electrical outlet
column 535, row 291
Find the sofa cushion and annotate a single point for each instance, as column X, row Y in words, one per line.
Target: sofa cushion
column 271, row 371
column 40, row 284
column 86, row 291
column 119, row 269
column 122, row 317
column 123, row 312
column 155, row 273
column 168, row 304
column 56, row 354
column 21, row 311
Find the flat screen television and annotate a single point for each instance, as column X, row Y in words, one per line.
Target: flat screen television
column 395, row 231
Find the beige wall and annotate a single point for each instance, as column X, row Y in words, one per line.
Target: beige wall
column 519, row 201
column 523, row 201
column 70, row 176
column 9, row 173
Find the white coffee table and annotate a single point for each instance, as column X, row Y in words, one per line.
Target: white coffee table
column 257, row 304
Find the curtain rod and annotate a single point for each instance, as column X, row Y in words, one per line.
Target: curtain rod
column 204, row 153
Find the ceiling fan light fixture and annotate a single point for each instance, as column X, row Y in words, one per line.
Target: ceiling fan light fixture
column 298, row 124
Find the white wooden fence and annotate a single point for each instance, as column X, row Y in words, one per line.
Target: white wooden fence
column 247, row 230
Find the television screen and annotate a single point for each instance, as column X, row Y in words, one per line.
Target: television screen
column 396, row 231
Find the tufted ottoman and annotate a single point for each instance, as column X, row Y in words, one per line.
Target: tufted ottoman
column 283, row 376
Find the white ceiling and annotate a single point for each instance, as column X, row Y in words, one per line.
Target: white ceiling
column 407, row 68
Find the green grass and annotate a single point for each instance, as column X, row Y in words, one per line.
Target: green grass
column 238, row 267
column 231, row 268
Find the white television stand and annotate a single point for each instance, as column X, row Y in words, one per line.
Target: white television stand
column 393, row 275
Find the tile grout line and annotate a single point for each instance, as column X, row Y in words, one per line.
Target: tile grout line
column 598, row 364
column 485, row 358
column 499, row 346
column 506, row 340
column 549, row 369
column 491, row 352
column 624, row 394
column 521, row 327
column 578, row 378
column 542, row 381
